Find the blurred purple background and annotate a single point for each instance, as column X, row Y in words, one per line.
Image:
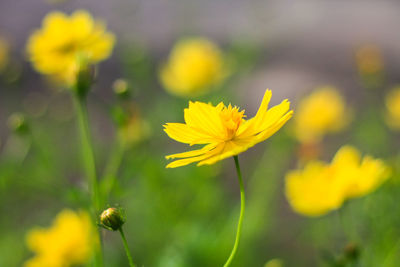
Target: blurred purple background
column 309, row 43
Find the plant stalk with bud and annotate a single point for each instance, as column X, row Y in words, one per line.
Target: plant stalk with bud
column 80, row 87
column 112, row 219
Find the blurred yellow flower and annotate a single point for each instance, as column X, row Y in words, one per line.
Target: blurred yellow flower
column 194, row 66
column 393, row 109
column 322, row 112
column 4, row 53
column 319, row 187
column 70, row 241
column 224, row 130
column 63, row 40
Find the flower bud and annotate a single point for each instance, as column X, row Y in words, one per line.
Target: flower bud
column 17, row 123
column 112, row 219
column 352, row 252
column 81, row 75
column 274, row 263
column 121, row 88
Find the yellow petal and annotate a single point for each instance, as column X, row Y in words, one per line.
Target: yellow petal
column 273, row 115
column 183, row 162
column 249, row 127
column 263, row 119
column 192, row 153
column 237, row 146
column 347, row 155
column 274, row 128
column 185, row 134
column 313, row 191
column 205, row 118
column 264, row 104
column 371, row 174
column 231, row 148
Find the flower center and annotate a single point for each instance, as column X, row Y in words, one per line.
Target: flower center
column 67, row 48
column 231, row 118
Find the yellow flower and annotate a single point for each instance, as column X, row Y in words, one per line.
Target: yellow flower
column 55, row 48
column 320, row 187
column 393, row 109
column 4, row 53
column 322, row 112
column 223, row 130
column 69, row 241
column 194, row 66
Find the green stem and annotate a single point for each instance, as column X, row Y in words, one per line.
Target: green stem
column 128, row 254
column 111, row 170
column 392, row 252
column 89, row 165
column 87, row 151
column 242, row 205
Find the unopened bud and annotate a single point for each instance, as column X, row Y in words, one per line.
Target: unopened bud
column 121, row 88
column 82, row 75
column 351, row 251
column 274, row 263
column 112, row 219
column 17, row 123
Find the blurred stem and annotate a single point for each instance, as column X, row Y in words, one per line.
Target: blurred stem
column 111, row 170
column 35, row 145
column 343, row 223
column 392, row 252
column 89, row 164
column 346, row 222
column 242, row 206
column 128, row 254
column 87, row 151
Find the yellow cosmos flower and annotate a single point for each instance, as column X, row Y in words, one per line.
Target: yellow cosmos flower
column 393, row 109
column 223, row 130
column 69, row 241
column 320, row 187
column 4, row 53
column 55, row 48
column 194, row 66
column 322, row 112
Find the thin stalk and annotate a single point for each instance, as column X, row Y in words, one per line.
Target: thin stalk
column 242, row 206
column 128, row 254
column 111, row 170
column 89, row 165
column 87, row 151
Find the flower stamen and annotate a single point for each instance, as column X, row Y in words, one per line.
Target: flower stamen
column 231, row 118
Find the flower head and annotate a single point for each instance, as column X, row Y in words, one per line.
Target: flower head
column 320, row 187
column 322, row 112
column 55, row 48
column 392, row 102
column 69, row 241
column 121, row 88
column 18, row 124
column 224, row 130
column 112, row 219
column 194, row 66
